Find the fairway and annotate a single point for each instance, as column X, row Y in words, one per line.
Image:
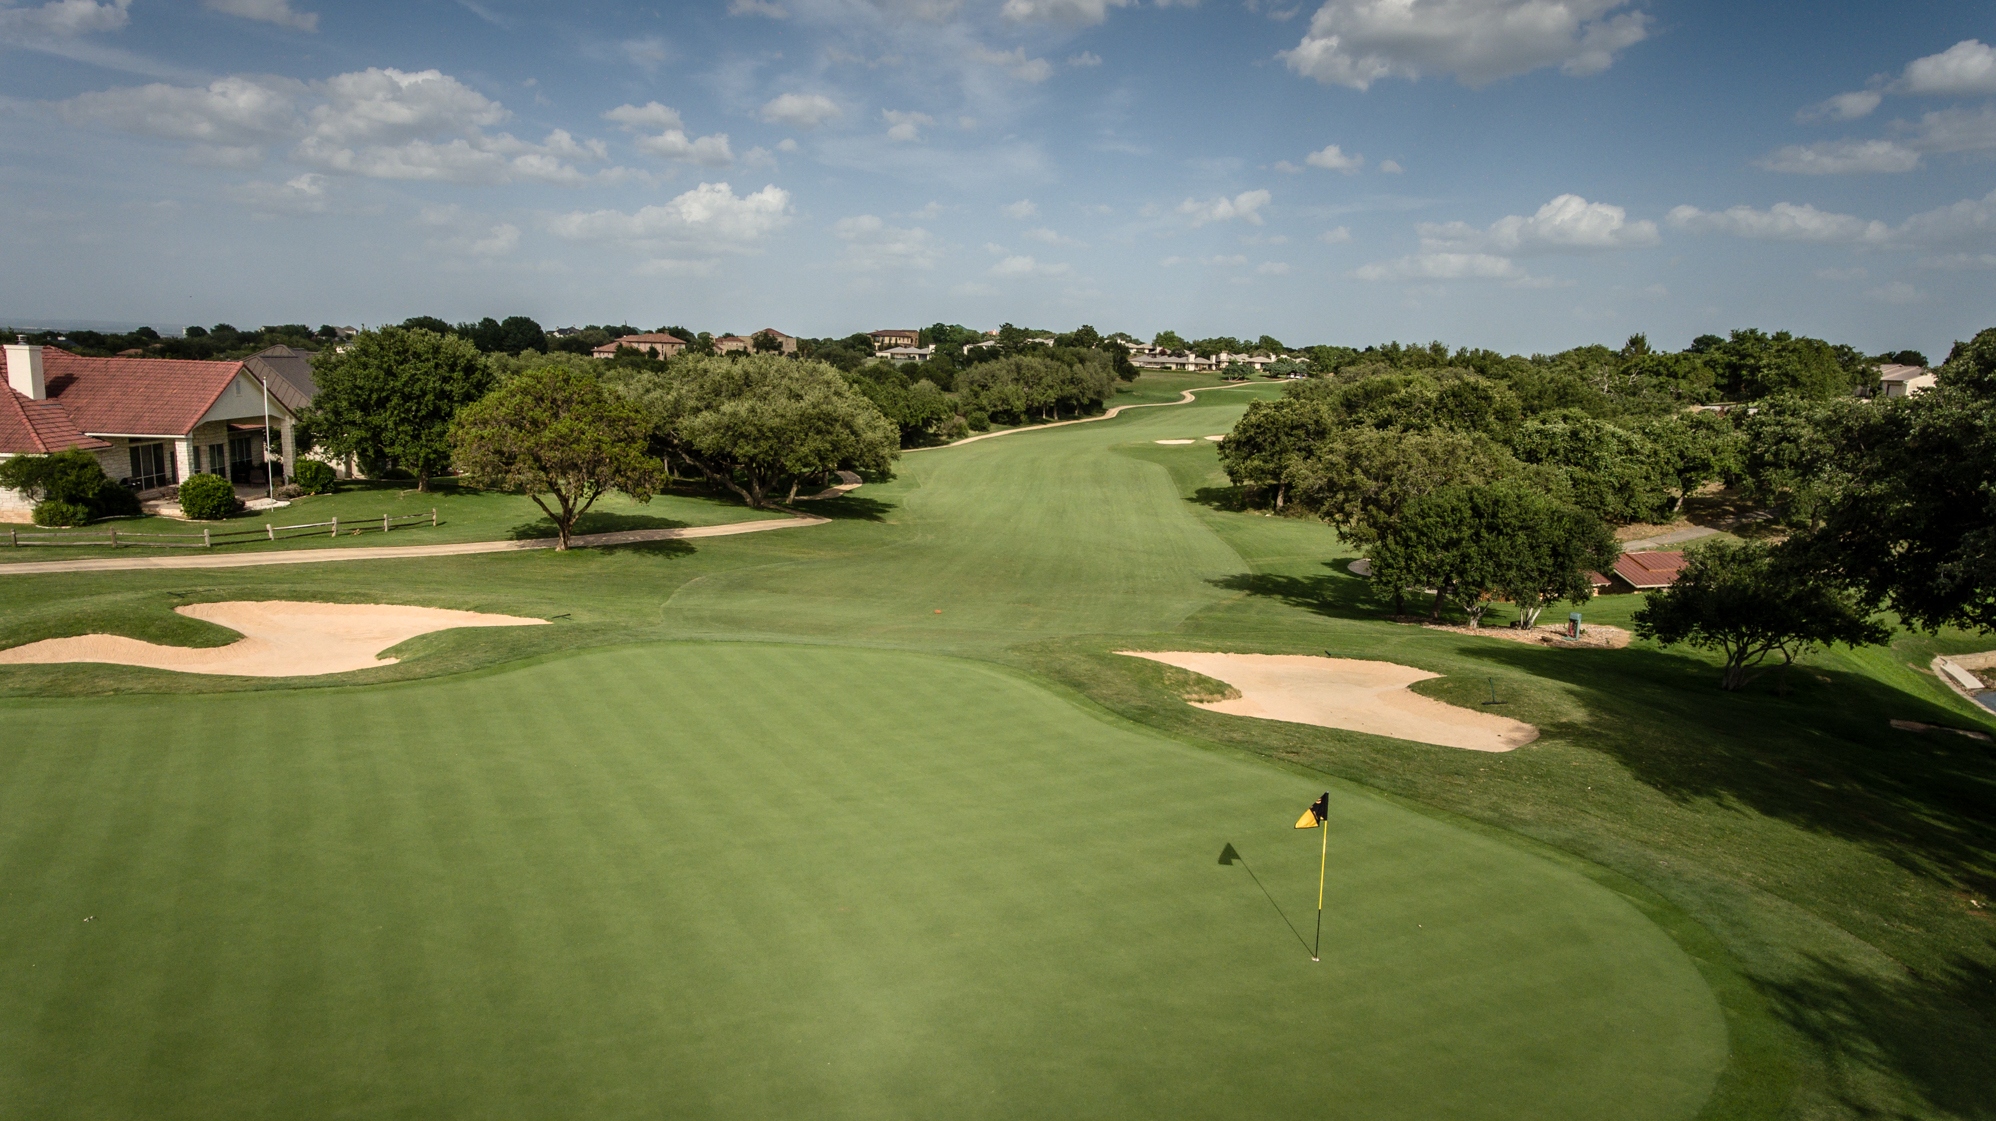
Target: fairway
column 737, row 880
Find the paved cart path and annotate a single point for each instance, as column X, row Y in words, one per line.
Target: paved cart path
column 403, row 552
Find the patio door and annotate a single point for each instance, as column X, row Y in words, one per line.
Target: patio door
column 241, row 464
column 151, row 466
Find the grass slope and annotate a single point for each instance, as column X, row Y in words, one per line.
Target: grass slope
column 883, row 884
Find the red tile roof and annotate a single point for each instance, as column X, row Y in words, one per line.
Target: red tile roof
column 1649, row 570
column 135, row 396
column 31, row 427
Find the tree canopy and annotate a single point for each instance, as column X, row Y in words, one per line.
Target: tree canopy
column 1750, row 602
column 760, row 423
column 554, row 432
column 389, row 396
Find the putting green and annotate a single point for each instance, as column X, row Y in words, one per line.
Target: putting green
column 698, row 880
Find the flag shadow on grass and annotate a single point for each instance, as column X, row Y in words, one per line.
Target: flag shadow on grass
column 1232, row 855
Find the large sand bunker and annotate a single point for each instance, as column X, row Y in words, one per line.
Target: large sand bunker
column 1348, row 693
column 280, row 638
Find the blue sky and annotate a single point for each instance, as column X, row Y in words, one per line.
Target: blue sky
column 1522, row 174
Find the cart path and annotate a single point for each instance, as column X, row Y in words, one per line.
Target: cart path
column 405, row 552
column 1186, row 399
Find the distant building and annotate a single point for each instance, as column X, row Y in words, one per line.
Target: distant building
column 884, row 340
column 745, row 344
column 1905, row 381
column 900, row 354
column 1647, row 571
column 655, row 343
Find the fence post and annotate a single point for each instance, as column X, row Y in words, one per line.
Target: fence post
column 336, row 526
column 384, row 523
column 269, row 531
column 14, row 537
column 114, row 537
column 206, row 542
column 433, row 517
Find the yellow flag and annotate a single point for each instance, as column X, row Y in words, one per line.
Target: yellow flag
column 1317, row 814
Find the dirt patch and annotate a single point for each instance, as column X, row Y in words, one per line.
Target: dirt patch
column 1593, row 636
column 1347, row 693
column 280, row 638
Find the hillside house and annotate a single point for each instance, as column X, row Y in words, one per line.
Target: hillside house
column 889, row 339
column 745, row 344
column 1905, row 381
column 655, row 343
column 1649, row 571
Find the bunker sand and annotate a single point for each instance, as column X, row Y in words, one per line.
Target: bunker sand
column 280, row 638
column 1348, row 693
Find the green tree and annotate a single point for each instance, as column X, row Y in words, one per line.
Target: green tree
column 1363, row 480
column 1791, row 454
column 1442, row 540
column 389, row 397
column 1169, row 340
column 519, row 334
column 761, row 423
column 1547, row 551
column 1914, row 524
column 1751, row 603
column 1694, row 449
column 556, row 434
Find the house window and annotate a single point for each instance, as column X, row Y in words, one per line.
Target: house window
column 217, row 459
column 151, row 466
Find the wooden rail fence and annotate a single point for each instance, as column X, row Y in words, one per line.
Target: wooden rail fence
column 209, row 538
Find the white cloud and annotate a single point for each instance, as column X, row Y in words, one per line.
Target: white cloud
column 278, row 12
column 1047, row 236
column 1287, row 168
column 1855, row 273
column 1358, row 42
column 903, row 126
column 238, row 112
column 1969, row 219
column 1391, row 167
column 1842, row 157
column 1333, row 158
column 786, row 145
column 1955, row 130
column 1967, row 68
column 1017, row 266
column 708, row 220
column 1021, row 210
column 1897, row 292
column 1245, row 206
column 873, row 245
column 1784, row 221
column 1843, row 107
column 1338, row 236
column 1273, row 268
column 1567, row 224
column 672, row 143
column 1085, row 58
column 381, row 123
column 1015, row 63
column 1074, row 13
column 494, row 241
column 804, row 110
column 62, row 19
column 304, row 195
column 1444, row 266
column 757, row 8
column 1960, row 261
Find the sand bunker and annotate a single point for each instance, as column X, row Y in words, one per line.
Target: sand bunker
column 1174, row 441
column 280, row 638
column 1217, row 439
column 1359, row 696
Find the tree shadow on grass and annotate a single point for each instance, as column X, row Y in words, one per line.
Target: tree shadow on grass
column 1228, row 498
column 1930, row 1034
column 851, row 507
column 1336, row 592
column 594, row 522
column 1820, row 755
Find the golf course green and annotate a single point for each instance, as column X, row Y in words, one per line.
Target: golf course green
column 867, row 819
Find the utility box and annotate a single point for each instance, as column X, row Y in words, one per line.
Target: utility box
column 1573, row 625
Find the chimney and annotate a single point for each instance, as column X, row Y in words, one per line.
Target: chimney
column 24, row 369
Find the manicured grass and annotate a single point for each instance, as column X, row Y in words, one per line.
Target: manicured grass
column 463, row 514
column 1836, row 873
column 879, row 884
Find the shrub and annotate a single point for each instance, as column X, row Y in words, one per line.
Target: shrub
column 54, row 512
column 314, row 477
column 72, row 478
column 208, row 498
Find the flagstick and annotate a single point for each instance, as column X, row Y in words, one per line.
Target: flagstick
column 1322, row 859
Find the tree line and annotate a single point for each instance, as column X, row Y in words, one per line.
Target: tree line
column 1471, row 477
